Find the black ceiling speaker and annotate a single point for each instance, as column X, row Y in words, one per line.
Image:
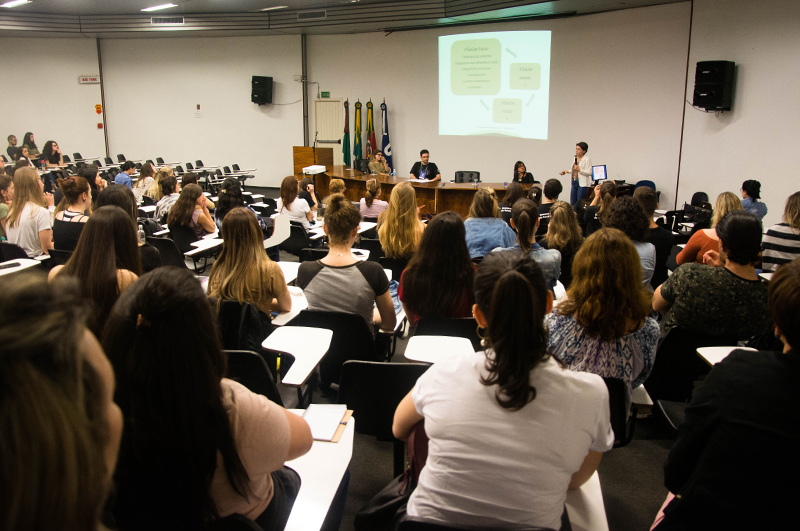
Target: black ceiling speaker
column 261, row 92
column 713, row 85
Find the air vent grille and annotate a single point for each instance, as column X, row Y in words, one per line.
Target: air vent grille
column 312, row 15
column 172, row 21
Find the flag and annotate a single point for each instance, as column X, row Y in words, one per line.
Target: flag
column 357, row 132
column 346, row 137
column 386, row 145
column 371, row 144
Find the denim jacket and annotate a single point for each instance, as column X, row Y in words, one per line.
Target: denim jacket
column 548, row 259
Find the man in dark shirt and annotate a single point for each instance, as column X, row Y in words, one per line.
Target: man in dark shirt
column 661, row 238
column 424, row 169
column 551, row 190
column 12, row 147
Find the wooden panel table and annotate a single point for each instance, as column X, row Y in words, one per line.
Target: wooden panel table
column 438, row 196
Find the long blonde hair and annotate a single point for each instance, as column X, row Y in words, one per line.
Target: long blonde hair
column 563, row 231
column 400, row 228
column 791, row 214
column 27, row 189
column 241, row 271
column 726, row 201
column 155, row 189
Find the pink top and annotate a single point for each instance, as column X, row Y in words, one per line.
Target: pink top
column 696, row 247
column 261, row 432
column 374, row 210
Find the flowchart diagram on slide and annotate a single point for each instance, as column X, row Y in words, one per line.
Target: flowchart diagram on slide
column 494, row 83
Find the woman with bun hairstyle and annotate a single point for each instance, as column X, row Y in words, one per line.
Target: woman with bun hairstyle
column 28, row 220
column 501, row 414
column 325, row 281
column 370, row 206
column 438, row 280
column 59, row 427
column 196, row 445
column 70, row 213
column 751, row 193
column 399, row 227
column 243, row 272
column 604, row 326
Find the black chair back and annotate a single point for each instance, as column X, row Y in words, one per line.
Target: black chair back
column 395, row 264
column 361, row 165
column 66, row 158
column 183, row 237
column 121, row 158
column 352, row 340
column 60, row 257
column 373, row 390
column 678, row 366
column 159, row 161
column 77, row 156
column 235, row 167
column 170, row 255
column 199, row 163
column 11, row 251
column 310, row 254
column 468, row 176
column 148, row 201
column 375, row 249
column 297, row 241
column 252, row 371
column 454, row 327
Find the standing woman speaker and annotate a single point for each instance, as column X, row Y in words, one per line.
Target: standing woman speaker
column 581, row 173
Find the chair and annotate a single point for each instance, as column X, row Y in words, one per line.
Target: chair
column 395, row 264
column 183, row 237
column 170, row 255
column 160, row 161
column 678, row 366
column 250, row 370
column 352, row 340
column 465, row 327
column 189, row 167
column 281, row 230
column 361, row 165
column 309, row 254
column 644, row 182
column 623, row 419
column 698, row 198
column 66, row 158
column 148, row 201
column 373, row 390
column 179, row 170
column 11, row 251
column 60, row 257
column 375, row 249
column 468, row 176
column 297, row 241
column 121, row 158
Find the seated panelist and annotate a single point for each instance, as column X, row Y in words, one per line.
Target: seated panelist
column 424, row 169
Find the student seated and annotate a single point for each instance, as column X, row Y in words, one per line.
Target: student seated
column 190, row 210
column 59, row 427
column 399, row 227
column 726, row 297
column 28, row 219
column 196, row 446
column 501, row 414
column 325, row 281
column 565, row 236
column 733, row 465
column 370, row 206
column 782, row 241
column 485, row 229
column 70, row 219
column 706, row 240
column 626, row 214
column 289, row 203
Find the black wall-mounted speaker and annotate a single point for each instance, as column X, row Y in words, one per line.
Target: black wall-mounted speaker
column 713, row 85
column 261, row 91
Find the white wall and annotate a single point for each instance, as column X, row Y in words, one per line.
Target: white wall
column 617, row 83
column 153, row 86
column 41, row 94
column 758, row 138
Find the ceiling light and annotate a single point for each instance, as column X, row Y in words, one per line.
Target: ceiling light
column 15, row 3
column 274, row 7
column 162, row 6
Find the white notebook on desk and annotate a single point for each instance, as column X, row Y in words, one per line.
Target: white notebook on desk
column 324, row 420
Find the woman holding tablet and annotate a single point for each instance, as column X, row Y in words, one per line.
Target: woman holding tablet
column 581, row 173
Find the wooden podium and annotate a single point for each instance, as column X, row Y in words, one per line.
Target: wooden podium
column 304, row 156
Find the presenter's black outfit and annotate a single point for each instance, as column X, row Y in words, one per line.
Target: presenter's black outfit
column 431, row 171
column 527, row 178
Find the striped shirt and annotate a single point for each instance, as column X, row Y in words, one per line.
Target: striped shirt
column 781, row 244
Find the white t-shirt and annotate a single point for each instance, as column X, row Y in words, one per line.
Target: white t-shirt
column 489, row 465
column 297, row 211
column 32, row 221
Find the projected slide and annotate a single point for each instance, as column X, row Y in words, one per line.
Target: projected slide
column 495, row 83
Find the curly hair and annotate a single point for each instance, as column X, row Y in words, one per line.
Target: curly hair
column 627, row 215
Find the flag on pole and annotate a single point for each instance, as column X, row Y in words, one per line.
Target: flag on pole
column 346, row 137
column 386, row 145
column 357, row 133
column 371, row 144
